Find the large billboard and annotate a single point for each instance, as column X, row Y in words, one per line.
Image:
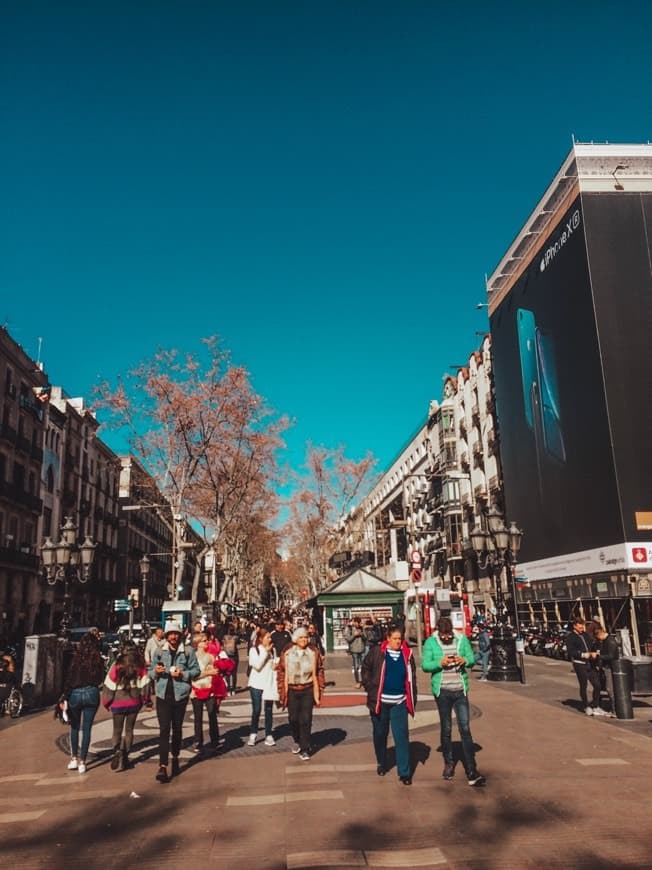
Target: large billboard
column 556, row 451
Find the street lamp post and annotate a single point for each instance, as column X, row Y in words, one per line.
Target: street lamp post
column 144, row 575
column 496, row 549
column 67, row 561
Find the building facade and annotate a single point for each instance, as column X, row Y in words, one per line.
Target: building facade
column 435, row 492
column 21, row 457
column 571, row 316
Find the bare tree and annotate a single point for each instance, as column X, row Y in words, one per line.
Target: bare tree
column 207, row 438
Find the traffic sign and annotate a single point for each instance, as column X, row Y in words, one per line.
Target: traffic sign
column 415, row 555
column 415, row 575
column 121, row 604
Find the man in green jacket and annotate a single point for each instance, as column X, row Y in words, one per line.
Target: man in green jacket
column 447, row 655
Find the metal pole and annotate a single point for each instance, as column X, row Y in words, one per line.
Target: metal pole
column 632, row 611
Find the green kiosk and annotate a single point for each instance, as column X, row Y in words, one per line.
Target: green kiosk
column 359, row 593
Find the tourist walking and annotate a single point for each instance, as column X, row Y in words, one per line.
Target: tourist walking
column 81, row 697
column 173, row 669
column 389, row 678
column 446, row 655
column 126, row 688
column 354, row 636
column 301, row 683
column 208, row 690
column 262, row 677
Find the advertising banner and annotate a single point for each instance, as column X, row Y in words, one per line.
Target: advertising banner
column 558, row 464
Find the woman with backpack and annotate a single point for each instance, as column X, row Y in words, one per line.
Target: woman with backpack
column 126, row 688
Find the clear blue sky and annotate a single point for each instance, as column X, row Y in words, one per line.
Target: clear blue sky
column 323, row 184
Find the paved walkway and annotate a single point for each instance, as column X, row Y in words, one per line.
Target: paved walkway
column 564, row 790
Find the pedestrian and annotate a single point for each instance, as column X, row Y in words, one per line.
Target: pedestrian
column 262, row 676
column 609, row 653
column 389, row 678
column 583, row 654
column 126, row 688
column 154, row 643
column 446, row 655
column 208, row 689
column 354, row 636
column 484, row 648
column 314, row 640
column 230, row 647
column 301, row 683
column 281, row 637
column 81, row 693
column 173, row 668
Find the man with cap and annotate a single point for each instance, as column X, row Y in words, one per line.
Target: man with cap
column 173, row 669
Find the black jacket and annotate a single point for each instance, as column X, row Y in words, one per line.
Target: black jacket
column 609, row 650
column 577, row 645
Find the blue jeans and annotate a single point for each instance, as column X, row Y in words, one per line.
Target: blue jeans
column 256, row 707
column 82, row 707
column 395, row 715
column 484, row 661
column 357, row 664
column 446, row 703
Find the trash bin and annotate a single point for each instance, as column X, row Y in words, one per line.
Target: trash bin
column 642, row 674
column 622, row 674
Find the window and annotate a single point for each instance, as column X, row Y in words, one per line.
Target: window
column 49, row 479
column 47, row 522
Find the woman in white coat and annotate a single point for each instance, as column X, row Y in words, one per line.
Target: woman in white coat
column 262, row 684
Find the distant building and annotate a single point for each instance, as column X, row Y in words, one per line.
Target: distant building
column 24, row 399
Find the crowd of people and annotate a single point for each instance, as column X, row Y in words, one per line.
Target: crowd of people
column 285, row 671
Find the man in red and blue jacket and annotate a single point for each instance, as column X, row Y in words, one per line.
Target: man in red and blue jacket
column 389, row 678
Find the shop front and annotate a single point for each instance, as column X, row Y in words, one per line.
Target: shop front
column 361, row 594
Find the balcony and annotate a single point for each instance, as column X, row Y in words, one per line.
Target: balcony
column 29, row 403
column 24, row 445
column 17, row 495
column 18, row 559
column 7, row 433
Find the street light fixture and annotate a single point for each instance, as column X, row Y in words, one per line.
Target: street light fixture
column 496, row 549
column 144, row 574
column 67, row 561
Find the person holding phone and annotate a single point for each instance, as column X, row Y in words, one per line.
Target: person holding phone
column 173, row 669
column 446, row 655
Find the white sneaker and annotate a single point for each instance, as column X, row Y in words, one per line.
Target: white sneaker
column 589, row 711
column 296, row 749
column 81, row 767
column 72, row 764
column 252, row 740
column 598, row 711
column 269, row 741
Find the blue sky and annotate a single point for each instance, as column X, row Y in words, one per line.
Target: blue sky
column 324, row 185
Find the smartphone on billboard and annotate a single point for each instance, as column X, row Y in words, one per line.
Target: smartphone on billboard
column 553, row 438
column 528, row 350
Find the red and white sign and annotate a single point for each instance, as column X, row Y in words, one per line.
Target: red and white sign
column 415, row 575
column 415, row 555
column 639, row 555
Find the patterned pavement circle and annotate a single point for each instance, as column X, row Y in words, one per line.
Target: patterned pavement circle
column 344, row 717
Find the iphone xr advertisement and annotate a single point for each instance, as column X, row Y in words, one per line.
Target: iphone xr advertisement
column 558, row 464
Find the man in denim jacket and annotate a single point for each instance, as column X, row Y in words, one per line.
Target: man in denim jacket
column 173, row 669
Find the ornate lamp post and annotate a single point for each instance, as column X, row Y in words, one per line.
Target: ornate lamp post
column 67, row 561
column 144, row 575
column 496, row 550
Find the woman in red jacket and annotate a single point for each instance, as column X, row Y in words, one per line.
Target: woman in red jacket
column 208, row 689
